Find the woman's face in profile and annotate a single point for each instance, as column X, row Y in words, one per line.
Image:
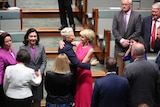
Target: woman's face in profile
column 7, row 42
column 32, row 38
column 83, row 39
column 132, row 42
column 70, row 38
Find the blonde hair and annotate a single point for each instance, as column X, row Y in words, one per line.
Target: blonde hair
column 67, row 31
column 61, row 64
column 88, row 34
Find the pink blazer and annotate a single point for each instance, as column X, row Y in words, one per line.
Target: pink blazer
column 6, row 59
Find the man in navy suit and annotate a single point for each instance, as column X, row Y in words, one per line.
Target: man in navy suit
column 147, row 27
column 143, row 77
column 111, row 90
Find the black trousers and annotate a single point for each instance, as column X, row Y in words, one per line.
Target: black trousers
column 65, row 8
column 26, row 102
column 2, row 97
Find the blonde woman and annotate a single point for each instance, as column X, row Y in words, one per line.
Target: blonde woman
column 58, row 83
column 83, row 56
column 84, row 53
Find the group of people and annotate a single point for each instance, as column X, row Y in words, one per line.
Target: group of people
column 80, row 65
column 128, row 24
column 139, row 85
column 69, row 82
column 21, row 74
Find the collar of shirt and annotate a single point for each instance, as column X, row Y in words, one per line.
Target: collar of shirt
column 111, row 72
column 128, row 13
column 158, row 20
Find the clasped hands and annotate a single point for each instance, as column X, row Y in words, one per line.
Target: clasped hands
column 38, row 73
column 125, row 43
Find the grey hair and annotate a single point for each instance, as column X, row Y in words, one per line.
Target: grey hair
column 67, row 31
column 139, row 49
column 156, row 5
column 130, row 1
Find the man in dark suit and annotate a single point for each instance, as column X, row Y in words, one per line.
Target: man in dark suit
column 111, row 90
column 157, row 42
column 126, row 24
column 64, row 9
column 148, row 25
column 143, row 77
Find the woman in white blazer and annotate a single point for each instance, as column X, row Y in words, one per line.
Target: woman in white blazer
column 18, row 80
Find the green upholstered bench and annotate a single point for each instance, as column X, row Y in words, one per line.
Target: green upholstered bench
column 10, row 20
column 17, row 38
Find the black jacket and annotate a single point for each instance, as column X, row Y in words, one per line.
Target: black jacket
column 59, row 87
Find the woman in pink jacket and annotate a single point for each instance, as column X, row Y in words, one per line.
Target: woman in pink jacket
column 7, row 57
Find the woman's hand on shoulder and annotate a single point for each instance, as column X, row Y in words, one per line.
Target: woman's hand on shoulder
column 61, row 44
column 75, row 43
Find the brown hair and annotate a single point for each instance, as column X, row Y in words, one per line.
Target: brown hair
column 2, row 37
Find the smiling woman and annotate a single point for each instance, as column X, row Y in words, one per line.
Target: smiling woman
column 7, row 57
column 38, row 61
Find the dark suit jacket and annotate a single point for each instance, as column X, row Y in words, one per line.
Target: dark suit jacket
column 143, row 77
column 68, row 50
column 146, row 31
column 110, row 91
column 118, row 29
column 40, row 61
column 158, row 60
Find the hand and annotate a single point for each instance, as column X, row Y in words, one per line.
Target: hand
column 38, row 73
column 125, row 43
column 128, row 51
column 61, row 44
column 158, row 36
column 94, row 62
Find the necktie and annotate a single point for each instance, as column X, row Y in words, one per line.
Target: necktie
column 153, row 35
column 125, row 20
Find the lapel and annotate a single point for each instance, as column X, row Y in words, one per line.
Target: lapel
column 150, row 24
